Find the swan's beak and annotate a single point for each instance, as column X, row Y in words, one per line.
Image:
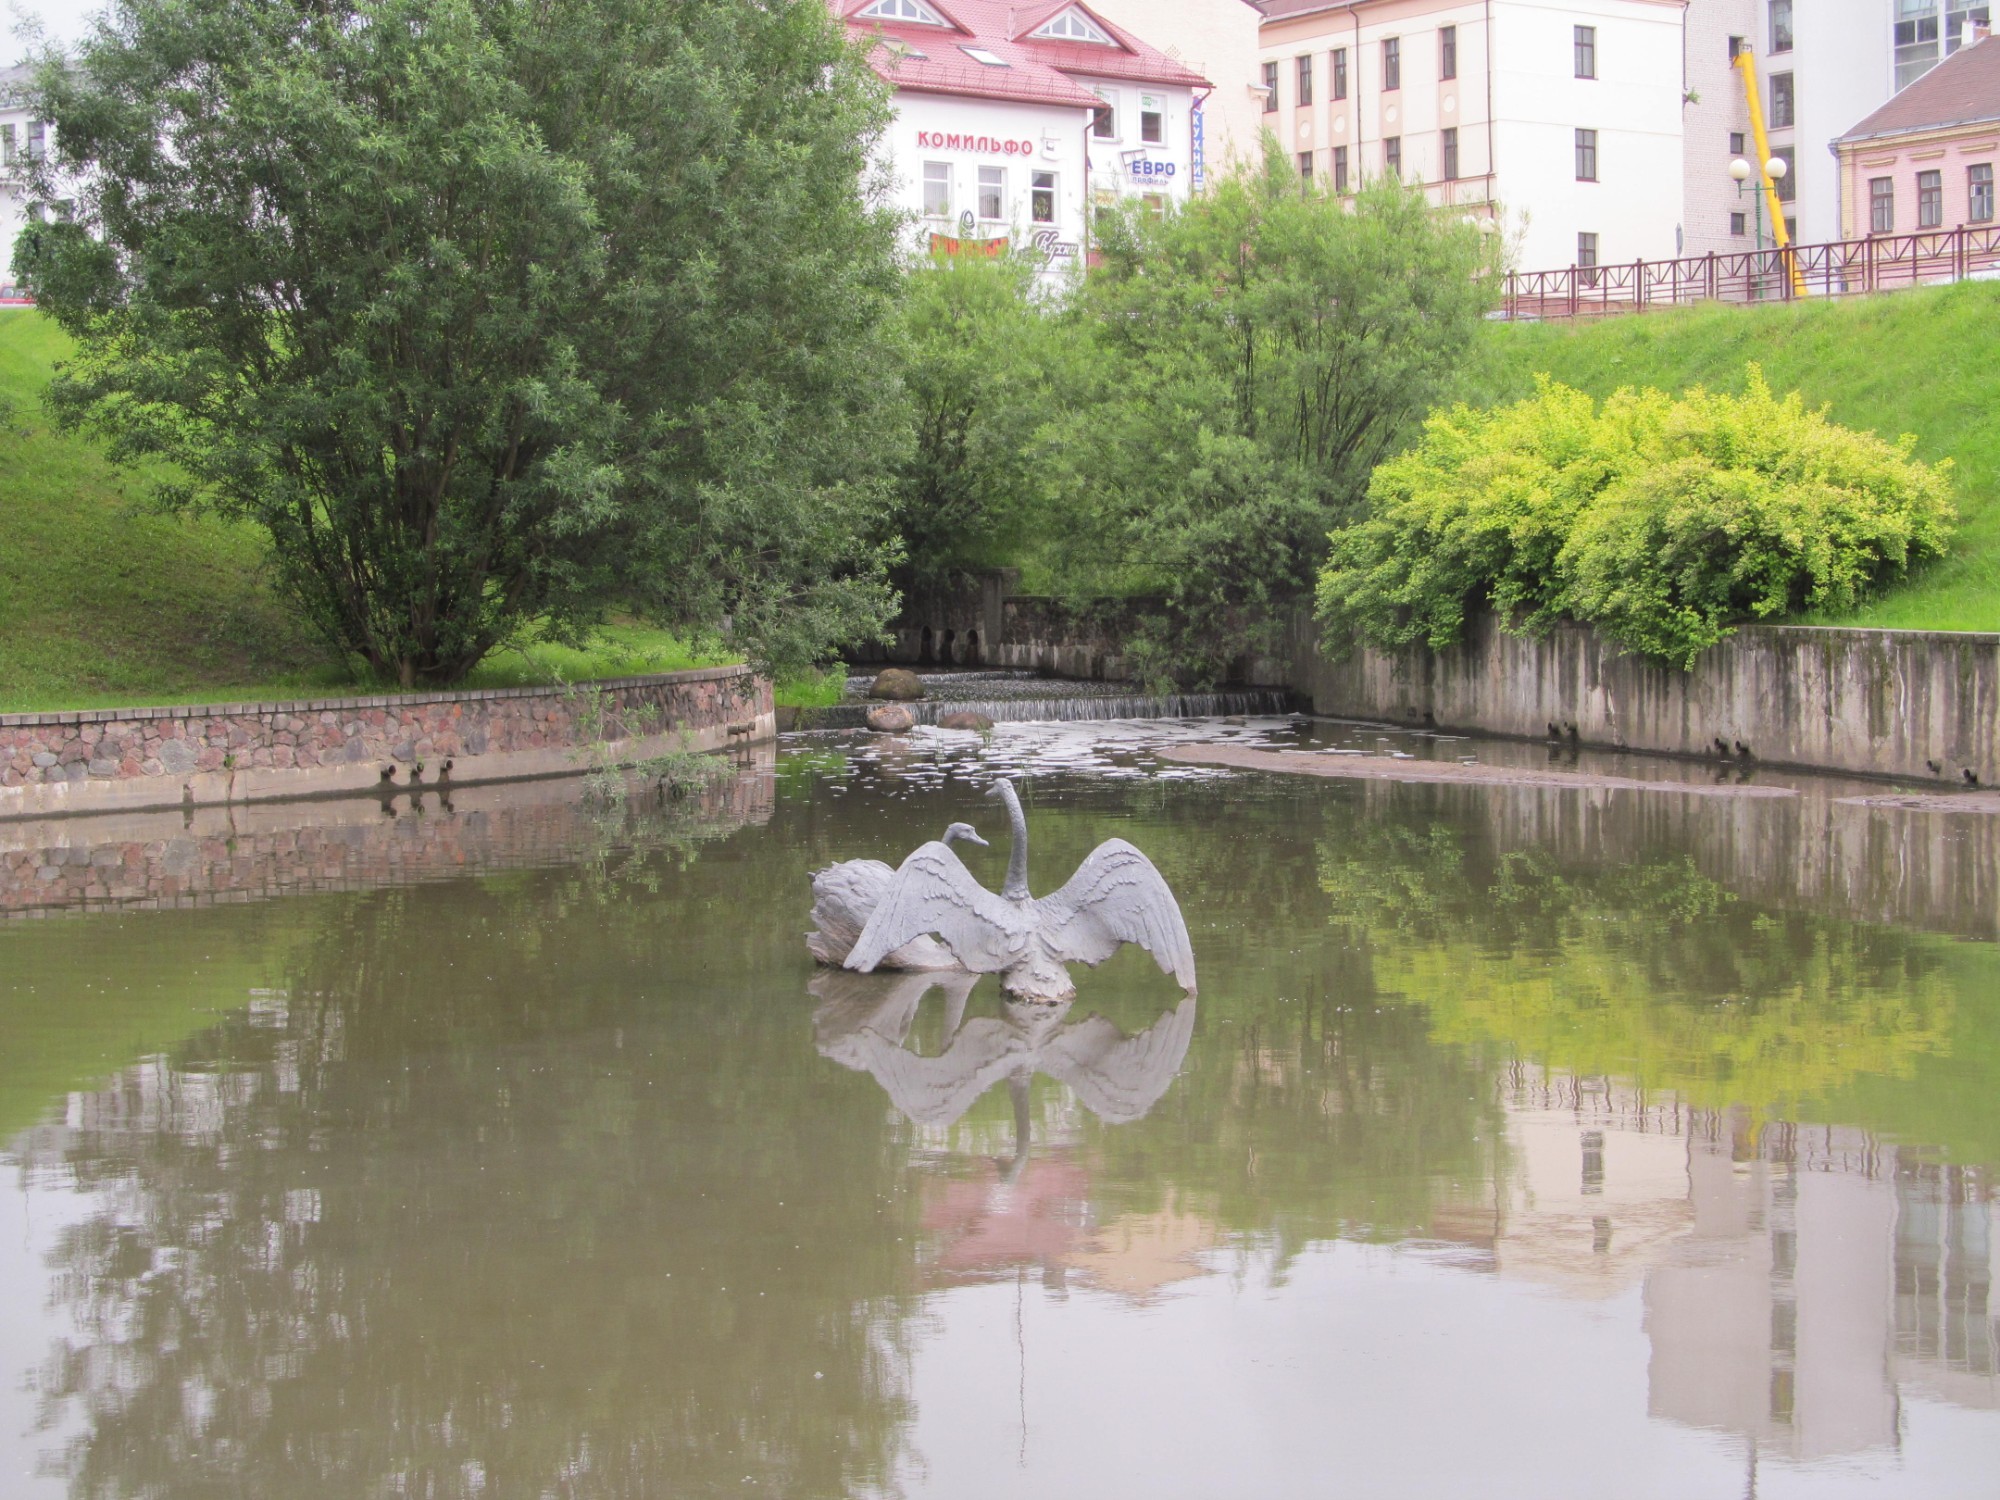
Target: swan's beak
column 972, row 838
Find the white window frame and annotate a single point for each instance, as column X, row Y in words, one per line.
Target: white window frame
column 906, row 12
column 1072, row 25
column 937, row 171
column 1109, row 99
column 1153, row 107
column 1039, row 182
column 993, row 180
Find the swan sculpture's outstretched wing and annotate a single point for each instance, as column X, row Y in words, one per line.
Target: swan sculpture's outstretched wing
column 1119, row 1077
column 938, row 1090
column 1116, row 896
column 934, row 893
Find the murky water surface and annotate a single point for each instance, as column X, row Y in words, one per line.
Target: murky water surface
column 1521, row 1142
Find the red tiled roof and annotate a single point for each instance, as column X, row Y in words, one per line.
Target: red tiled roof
column 1964, row 89
column 931, row 59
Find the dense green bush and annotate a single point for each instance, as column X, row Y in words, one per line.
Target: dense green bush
column 1662, row 522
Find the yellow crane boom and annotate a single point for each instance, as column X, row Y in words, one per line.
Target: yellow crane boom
column 1746, row 64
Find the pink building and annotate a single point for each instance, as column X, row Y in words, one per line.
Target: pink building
column 1925, row 160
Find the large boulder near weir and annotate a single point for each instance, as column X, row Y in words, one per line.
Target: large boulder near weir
column 898, row 685
column 891, row 718
column 966, row 718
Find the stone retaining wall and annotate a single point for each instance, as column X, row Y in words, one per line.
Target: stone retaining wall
column 1920, row 706
column 189, row 756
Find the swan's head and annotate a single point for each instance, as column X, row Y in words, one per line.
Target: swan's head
column 1000, row 788
column 963, row 832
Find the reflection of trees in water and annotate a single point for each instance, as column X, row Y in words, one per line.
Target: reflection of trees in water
column 458, row 1213
column 1647, row 970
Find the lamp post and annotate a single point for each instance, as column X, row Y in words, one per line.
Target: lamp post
column 1740, row 169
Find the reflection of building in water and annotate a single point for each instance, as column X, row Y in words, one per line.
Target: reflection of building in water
column 1797, row 1281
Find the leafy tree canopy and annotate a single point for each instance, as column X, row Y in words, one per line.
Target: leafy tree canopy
column 1264, row 347
column 490, row 311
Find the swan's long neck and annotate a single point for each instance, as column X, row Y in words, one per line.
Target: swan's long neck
column 1016, row 888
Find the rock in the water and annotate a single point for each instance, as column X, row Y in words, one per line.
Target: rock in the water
column 891, row 718
column 965, row 718
column 897, row 684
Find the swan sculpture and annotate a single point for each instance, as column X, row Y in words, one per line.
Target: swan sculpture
column 1115, row 897
column 846, row 895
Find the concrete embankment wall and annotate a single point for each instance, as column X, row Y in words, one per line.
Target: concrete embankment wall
column 148, row 860
column 1915, row 705
column 132, row 758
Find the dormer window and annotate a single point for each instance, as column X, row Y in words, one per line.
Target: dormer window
column 902, row 10
column 1073, row 26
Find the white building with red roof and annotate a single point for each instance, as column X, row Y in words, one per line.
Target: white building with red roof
column 1012, row 120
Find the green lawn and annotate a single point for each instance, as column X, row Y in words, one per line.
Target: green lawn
column 106, row 602
column 1926, row 362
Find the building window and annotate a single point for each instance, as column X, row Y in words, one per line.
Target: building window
column 1306, row 79
column 1781, row 25
column 1392, row 155
column 1339, row 72
column 1586, row 156
column 1074, row 26
column 1584, row 43
column 1930, row 200
column 1156, row 205
column 1738, row 224
column 1152, row 119
column 1448, row 150
column 1447, row 52
column 901, row 10
column 1042, row 197
column 1392, row 63
column 1586, row 257
column 1782, row 109
column 1306, row 168
column 1881, row 205
column 1788, row 185
column 1340, row 172
column 37, row 139
column 1918, row 33
column 1104, row 122
column 937, row 189
column 992, row 192
column 1270, row 87
column 6, row 145
column 1979, row 192
column 1735, row 143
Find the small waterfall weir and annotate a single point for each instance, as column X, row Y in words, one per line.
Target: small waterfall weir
column 1023, row 697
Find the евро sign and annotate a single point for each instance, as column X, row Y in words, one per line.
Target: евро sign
column 1151, row 170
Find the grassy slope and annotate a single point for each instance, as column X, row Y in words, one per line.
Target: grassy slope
column 106, row 602
column 1926, row 362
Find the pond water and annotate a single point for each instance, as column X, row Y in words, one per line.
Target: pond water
column 1520, row 1142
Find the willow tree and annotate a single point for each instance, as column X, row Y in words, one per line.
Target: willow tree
column 491, row 312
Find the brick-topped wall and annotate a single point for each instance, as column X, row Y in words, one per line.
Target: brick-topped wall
column 152, row 757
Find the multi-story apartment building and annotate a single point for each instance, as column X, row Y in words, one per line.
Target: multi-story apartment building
column 1562, row 118
column 1822, row 66
column 1218, row 39
column 1013, row 120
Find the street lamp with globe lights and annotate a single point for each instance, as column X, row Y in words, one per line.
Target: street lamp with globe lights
column 1775, row 170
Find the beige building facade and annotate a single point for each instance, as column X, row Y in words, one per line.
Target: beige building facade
column 1559, row 119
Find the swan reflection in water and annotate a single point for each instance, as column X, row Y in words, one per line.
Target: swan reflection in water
column 1017, row 1212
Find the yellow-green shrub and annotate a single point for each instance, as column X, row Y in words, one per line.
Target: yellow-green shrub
column 1662, row 522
